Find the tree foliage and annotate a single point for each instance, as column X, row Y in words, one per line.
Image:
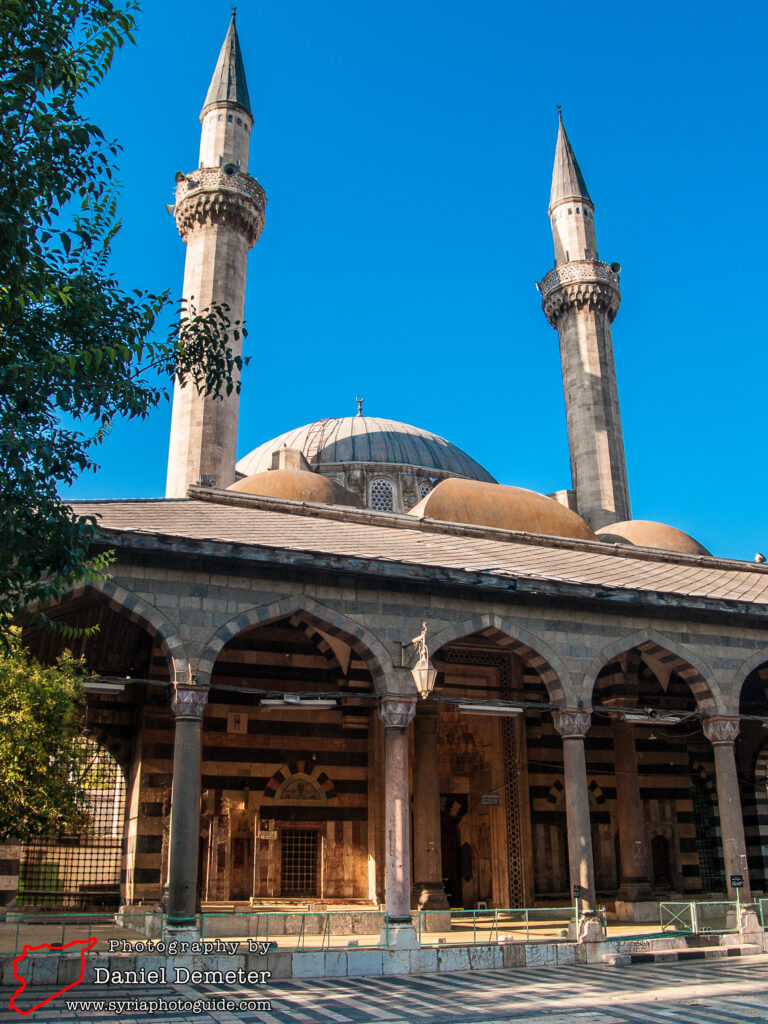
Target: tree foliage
column 76, row 349
column 43, row 759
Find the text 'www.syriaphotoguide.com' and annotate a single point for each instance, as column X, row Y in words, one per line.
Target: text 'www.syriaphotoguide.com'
column 120, row 1006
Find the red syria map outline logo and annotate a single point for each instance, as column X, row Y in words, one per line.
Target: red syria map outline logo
column 85, row 944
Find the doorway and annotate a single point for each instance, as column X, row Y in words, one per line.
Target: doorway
column 449, row 840
column 662, row 865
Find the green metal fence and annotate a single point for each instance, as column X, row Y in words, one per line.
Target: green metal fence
column 515, row 924
column 713, row 917
column 309, row 930
column 19, row 929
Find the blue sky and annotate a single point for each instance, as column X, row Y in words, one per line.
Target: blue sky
column 406, row 151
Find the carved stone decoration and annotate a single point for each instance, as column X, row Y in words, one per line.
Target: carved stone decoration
column 576, row 271
column 572, row 724
column 593, row 295
column 721, row 730
column 189, row 700
column 397, row 712
column 236, row 210
column 299, row 790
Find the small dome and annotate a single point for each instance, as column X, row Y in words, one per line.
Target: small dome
column 646, row 534
column 507, row 508
column 297, row 484
column 332, row 443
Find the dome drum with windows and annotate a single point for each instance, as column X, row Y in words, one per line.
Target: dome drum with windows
column 381, row 464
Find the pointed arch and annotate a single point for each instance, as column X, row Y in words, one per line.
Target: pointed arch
column 745, row 670
column 301, row 770
column 144, row 614
column 362, row 641
column 674, row 655
column 516, row 639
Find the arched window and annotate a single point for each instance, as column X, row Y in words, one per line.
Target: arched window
column 424, row 488
column 382, row 496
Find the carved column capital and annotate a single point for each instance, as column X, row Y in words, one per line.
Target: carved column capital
column 188, row 700
column 572, row 723
column 397, row 712
column 721, row 729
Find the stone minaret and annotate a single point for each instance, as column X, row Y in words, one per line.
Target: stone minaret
column 219, row 213
column 580, row 298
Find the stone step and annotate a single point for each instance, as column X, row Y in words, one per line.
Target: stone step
column 670, row 955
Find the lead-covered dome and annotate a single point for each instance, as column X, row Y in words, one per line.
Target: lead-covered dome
column 367, row 439
column 388, row 465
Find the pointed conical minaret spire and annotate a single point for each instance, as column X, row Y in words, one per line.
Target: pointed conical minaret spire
column 580, row 298
column 228, row 84
column 220, row 214
column 567, row 179
column 571, row 210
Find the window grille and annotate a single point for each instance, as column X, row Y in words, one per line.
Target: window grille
column 424, row 489
column 382, row 496
column 710, row 865
column 298, row 860
column 82, row 871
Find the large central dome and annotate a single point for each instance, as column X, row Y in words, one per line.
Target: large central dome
column 390, row 465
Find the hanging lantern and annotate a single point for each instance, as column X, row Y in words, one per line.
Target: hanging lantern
column 424, row 672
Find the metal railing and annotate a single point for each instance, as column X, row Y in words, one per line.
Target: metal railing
column 510, row 924
column 309, row 930
column 19, row 928
column 713, row 917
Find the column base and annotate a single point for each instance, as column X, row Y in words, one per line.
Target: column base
column 635, row 892
column 182, row 931
column 750, row 927
column 400, row 935
column 637, row 910
column 590, row 930
column 430, row 896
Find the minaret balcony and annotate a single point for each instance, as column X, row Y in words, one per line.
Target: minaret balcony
column 220, row 195
column 219, row 179
column 579, row 272
column 579, row 285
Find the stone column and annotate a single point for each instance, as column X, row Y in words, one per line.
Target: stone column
column 397, row 714
column 635, row 885
column 188, row 704
column 429, row 893
column 572, row 726
column 721, row 733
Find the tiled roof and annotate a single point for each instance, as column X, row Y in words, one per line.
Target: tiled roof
column 267, row 525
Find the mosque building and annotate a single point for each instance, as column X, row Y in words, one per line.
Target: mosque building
column 597, row 713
